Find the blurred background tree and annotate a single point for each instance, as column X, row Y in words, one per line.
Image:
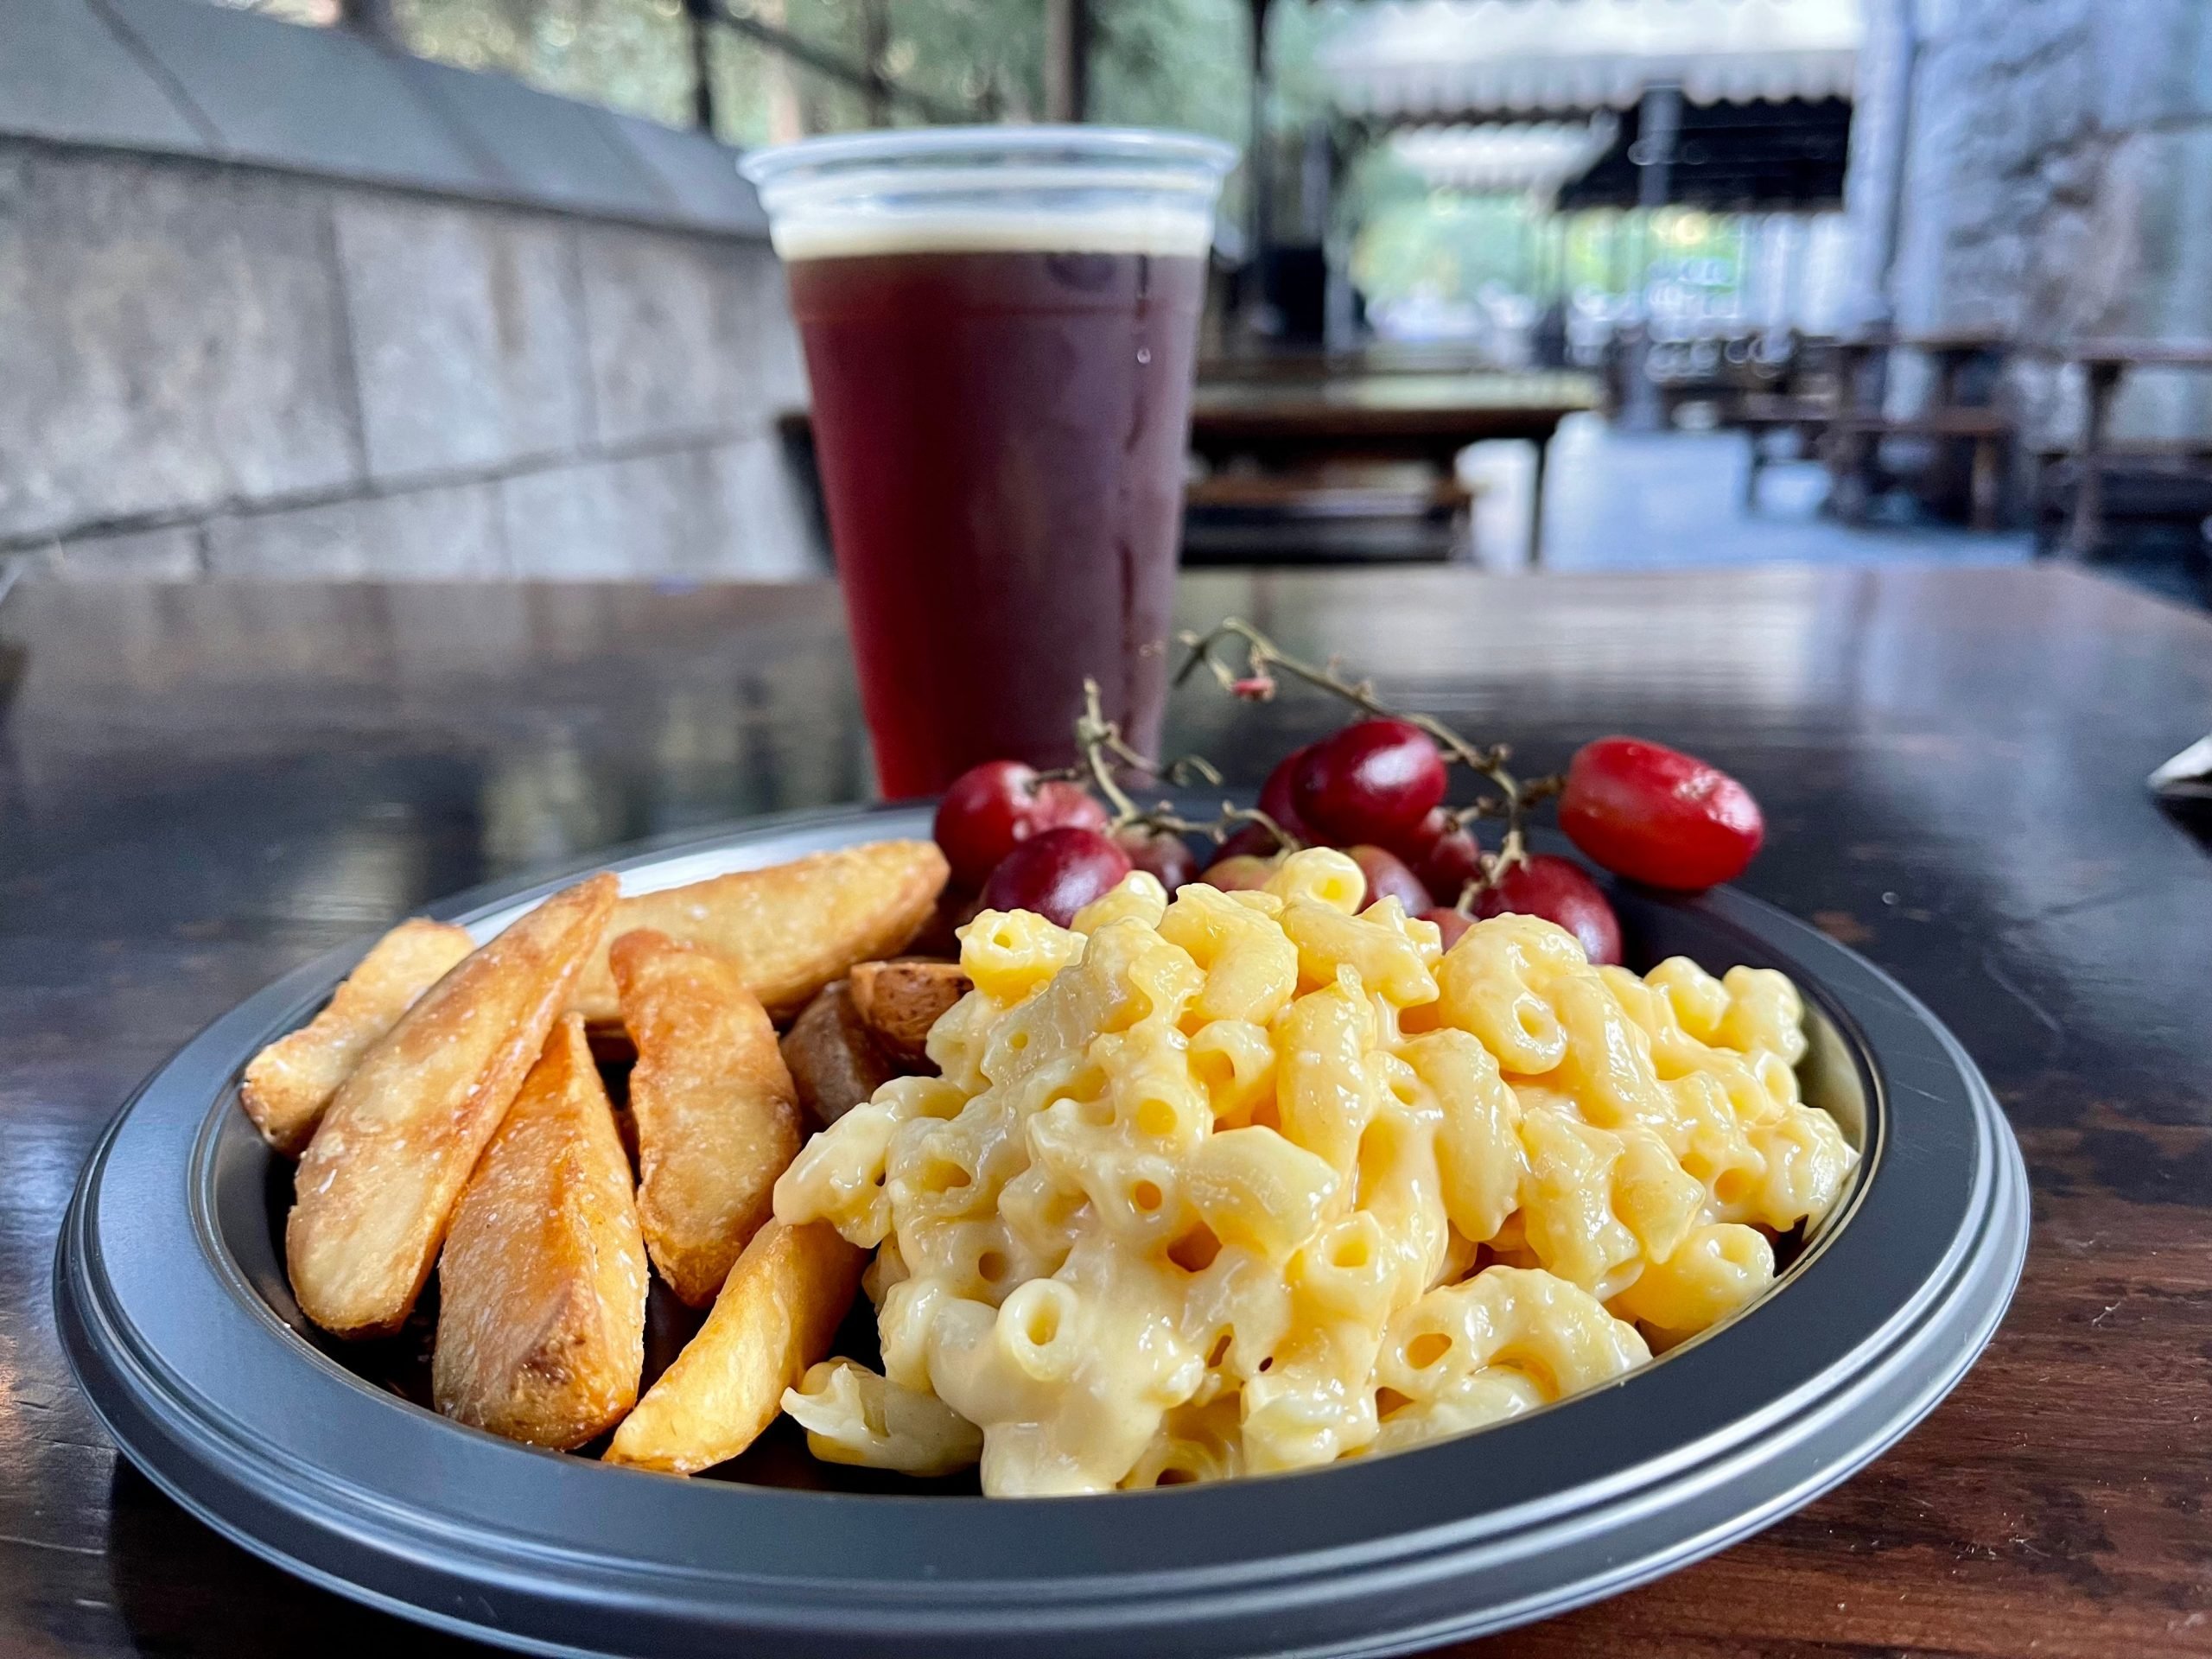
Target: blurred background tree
column 1161, row 63
column 1152, row 62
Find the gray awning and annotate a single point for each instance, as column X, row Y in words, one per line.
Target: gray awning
column 1537, row 156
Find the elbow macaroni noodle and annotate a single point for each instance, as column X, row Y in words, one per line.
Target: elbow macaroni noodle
column 1248, row 1182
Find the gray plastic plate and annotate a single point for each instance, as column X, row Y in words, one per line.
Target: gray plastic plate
column 174, row 1309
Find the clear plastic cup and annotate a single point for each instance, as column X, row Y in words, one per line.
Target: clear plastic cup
column 1000, row 326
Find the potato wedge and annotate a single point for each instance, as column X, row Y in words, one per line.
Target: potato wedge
column 900, row 1000
column 775, row 1316
column 542, row 1283
column 287, row 1085
column 715, row 1112
column 377, row 1188
column 834, row 1058
column 789, row 930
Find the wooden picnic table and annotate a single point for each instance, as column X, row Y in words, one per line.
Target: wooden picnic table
column 1946, row 416
column 1276, row 424
column 2105, row 364
column 1281, row 422
column 1375, row 357
column 203, row 787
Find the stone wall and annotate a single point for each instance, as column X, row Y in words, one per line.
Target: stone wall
column 438, row 347
column 2057, row 185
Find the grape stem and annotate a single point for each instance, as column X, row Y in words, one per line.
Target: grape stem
column 1257, row 683
column 1104, row 749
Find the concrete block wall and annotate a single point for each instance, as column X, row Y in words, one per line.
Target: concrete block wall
column 277, row 303
column 2058, row 185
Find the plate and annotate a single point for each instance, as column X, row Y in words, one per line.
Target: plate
column 173, row 1306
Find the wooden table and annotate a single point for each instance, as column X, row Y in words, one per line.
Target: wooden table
column 1855, row 434
column 1799, row 392
column 1429, row 418
column 201, row 787
column 2104, row 364
column 1375, row 357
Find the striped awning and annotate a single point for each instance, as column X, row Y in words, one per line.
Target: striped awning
column 1476, row 59
column 1536, row 155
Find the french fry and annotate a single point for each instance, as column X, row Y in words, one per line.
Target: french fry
column 900, row 1000
column 377, row 1188
column 715, row 1112
column 287, row 1085
column 789, row 930
column 834, row 1058
column 542, row 1282
column 775, row 1316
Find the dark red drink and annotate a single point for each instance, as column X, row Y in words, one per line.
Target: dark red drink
column 1001, row 438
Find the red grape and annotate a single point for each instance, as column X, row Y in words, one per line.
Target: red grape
column 1253, row 841
column 1167, row 856
column 1388, row 878
column 991, row 807
column 1241, row 873
column 1370, row 782
column 1413, row 844
column 1276, row 799
column 1557, row 890
column 1449, row 922
column 1443, row 856
column 1450, row 864
column 1658, row 816
column 1056, row 872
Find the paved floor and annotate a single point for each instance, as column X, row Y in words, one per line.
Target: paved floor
column 1619, row 502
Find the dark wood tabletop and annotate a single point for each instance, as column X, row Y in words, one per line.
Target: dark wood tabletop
column 2124, row 354
column 1321, row 405
column 1410, row 411
column 1372, row 357
column 200, row 787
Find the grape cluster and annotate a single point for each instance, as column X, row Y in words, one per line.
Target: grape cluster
column 1023, row 840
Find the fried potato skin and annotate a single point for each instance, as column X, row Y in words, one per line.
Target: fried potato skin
column 715, row 1111
column 775, row 1316
column 376, row 1187
column 834, row 1058
column 289, row 1083
column 542, row 1283
column 789, row 930
column 900, row 1000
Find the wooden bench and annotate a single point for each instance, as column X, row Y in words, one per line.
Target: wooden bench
column 1855, row 436
column 2098, row 461
column 1758, row 414
column 1296, row 428
column 2145, row 481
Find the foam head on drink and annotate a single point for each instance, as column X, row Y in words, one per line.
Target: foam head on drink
column 1001, row 399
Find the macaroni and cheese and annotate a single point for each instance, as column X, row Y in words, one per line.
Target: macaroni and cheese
column 1248, row 1182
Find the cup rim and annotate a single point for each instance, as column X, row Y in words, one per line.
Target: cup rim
column 1037, row 144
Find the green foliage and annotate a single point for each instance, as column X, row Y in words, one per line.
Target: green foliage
column 1169, row 63
column 630, row 54
column 1296, row 32
column 1449, row 245
column 987, row 56
column 1183, row 64
column 1173, row 63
